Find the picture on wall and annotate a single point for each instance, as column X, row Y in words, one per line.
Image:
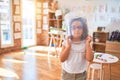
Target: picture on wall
column 16, row 2
column 17, row 27
column 17, row 10
column 39, row 5
column 39, row 17
column 102, row 8
column 17, row 18
column 39, row 24
column 39, row 11
column 102, row 19
column 17, row 35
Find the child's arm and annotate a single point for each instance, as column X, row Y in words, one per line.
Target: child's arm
column 89, row 54
column 65, row 50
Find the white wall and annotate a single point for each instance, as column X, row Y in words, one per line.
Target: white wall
column 97, row 12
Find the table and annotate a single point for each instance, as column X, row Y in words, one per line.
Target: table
column 56, row 39
column 105, row 58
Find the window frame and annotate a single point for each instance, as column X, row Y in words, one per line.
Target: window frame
column 11, row 29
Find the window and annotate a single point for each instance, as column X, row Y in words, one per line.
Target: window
column 5, row 23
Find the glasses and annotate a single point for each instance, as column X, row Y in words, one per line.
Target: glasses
column 78, row 27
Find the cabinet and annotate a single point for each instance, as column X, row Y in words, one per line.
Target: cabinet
column 99, row 41
column 112, row 47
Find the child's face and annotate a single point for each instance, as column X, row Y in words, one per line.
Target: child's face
column 76, row 29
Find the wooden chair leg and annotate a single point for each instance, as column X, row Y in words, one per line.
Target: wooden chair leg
column 89, row 73
column 93, row 73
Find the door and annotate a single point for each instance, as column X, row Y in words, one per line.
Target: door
column 28, row 23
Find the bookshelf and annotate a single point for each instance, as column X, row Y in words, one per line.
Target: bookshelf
column 45, row 18
column 55, row 22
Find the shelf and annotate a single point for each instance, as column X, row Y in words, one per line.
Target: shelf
column 101, row 32
column 99, row 48
column 55, row 19
column 113, row 42
column 99, row 43
column 113, row 51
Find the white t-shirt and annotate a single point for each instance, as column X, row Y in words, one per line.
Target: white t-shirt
column 76, row 62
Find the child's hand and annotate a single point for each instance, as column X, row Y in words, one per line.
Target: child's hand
column 88, row 39
column 68, row 41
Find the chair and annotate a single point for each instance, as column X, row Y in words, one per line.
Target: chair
column 92, row 68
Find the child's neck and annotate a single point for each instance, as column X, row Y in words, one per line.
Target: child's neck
column 76, row 40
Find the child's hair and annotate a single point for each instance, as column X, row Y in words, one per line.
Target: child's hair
column 84, row 25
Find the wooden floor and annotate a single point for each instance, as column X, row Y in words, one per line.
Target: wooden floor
column 35, row 64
